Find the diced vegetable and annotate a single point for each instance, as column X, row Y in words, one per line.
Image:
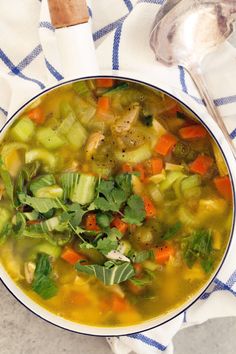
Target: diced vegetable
column 105, row 83
column 49, row 138
column 13, row 162
column 160, row 177
column 41, row 155
column 71, row 256
column 190, row 186
column 77, row 135
column 149, row 207
column 44, row 247
column 155, row 193
column 120, row 225
column 124, row 247
column 201, row 165
column 37, row 115
column 193, row 132
column 141, row 170
column 171, row 177
column 163, row 254
column 84, row 192
column 49, row 192
column 165, row 144
column 223, row 186
column 119, row 304
column 126, row 168
column 173, row 167
column 91, row 222
column 103, row 104
column 134, row 156
column 156, row 166
column 81, row 88
column 23, row 130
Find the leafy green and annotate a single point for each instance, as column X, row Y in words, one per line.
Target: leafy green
column 69, row 181
column 124, row 182
column 43, row 284
column 5, row 232
column 117, row 88
column 42, row 205
column 134, row 212
column 106, row 245
column 198, row 246
column 147, row 120
column 40, row 182
column 45, row 226
column 172, row 231
column 140, row 256
column 103, row 220
column 110, row 198
column 110, row 273
column 19, row 226
column 8, row 184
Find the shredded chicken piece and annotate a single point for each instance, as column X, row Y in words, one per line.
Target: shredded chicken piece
column 29, row 268
column 124, row 124
column 117, row 256
column 93, row 143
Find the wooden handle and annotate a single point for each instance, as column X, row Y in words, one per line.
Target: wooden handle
column 65, row 13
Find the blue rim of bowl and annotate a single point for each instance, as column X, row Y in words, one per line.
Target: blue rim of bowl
column 233, row 220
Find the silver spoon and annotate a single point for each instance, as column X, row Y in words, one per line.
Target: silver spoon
column 185, row 32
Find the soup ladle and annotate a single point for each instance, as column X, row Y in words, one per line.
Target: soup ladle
column 185, row 32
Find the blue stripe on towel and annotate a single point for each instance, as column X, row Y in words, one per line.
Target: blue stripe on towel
column 157, row 2
column 129, row 5
column 233, row 134
column 107, row 29
column 149, row 341
column 53, row 71
column 182, row 79
column 225, row 100
column 116, row 47
column 232, row 280
column 16, row 71
column 46, row 24
column 3, row 111
column 90, row 12
column 28, row 59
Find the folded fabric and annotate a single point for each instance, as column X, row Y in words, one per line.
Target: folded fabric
column 29, row 62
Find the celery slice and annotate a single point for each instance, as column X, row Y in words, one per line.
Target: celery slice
column 49, row 138
column 77, row 135
column 134, row 156
column 23, row 130
column 45, row 247
column 84, row 192
column 42, row 155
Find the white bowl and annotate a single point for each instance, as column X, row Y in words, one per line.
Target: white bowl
column 118, row 331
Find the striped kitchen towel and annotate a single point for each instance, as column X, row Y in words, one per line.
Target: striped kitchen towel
column 29, row 62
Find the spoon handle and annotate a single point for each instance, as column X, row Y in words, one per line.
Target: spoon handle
column 195, row 73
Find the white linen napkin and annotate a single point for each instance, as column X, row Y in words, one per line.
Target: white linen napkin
column 29, row 62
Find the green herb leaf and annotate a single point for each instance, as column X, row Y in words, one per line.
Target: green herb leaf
column 140, row 256
column 134, row 212
column 172, row 231
column 5, row 232
column 103, row 220
column 147, row 120
column 43, row 284
column 110, row 273
column 199, row 246
column 106, row 245
column 42, row 205
column 110, row 198
column 124, row 182
column 19, row 226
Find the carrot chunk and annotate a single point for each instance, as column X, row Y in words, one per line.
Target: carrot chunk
column 105, row 83
column 223, row 185
column 163, row 254
column 156, row 166
column 138, row 269
column 140, row 168
column 37, row 115
column 119, row 225
column 119, row 304
column 103, row 104
column 91, row 222
column 126, row 168
column 149, row 207
column 71, row 256
column 193, row 132
column 201, row 165
column 165, row 144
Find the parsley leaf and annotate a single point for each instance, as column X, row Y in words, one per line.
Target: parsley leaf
column 172, row 231
column 106, row 245
column 110, row 198
column 198, row 246
column 124, row 182
column 134, row 212
column 103, row 220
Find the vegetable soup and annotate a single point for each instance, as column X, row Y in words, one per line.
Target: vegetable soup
column 115, row 203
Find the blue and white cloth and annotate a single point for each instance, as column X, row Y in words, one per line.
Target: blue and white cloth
column 29, row 62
